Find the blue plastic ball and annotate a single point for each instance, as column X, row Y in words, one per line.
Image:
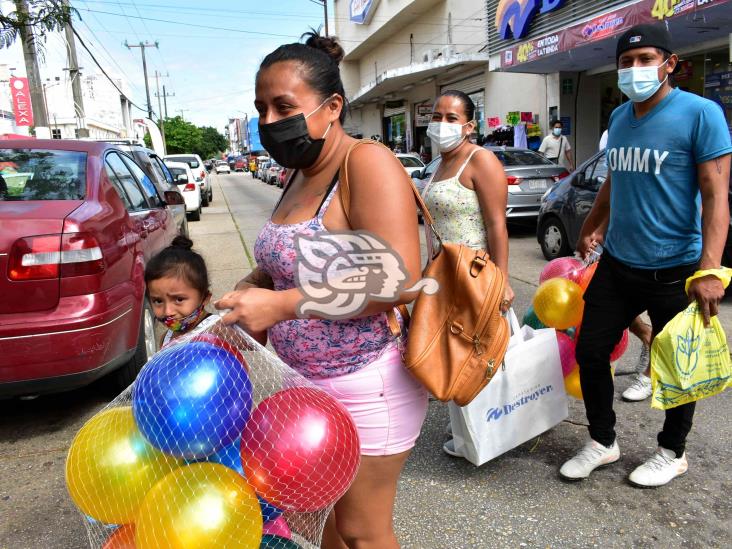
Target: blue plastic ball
column 192, row 400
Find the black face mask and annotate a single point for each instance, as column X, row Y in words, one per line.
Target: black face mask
column 289, row 143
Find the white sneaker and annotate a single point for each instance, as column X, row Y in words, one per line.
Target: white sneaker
column 449, row 449
column 639, row 390
column 592, row 456
column 662, row 467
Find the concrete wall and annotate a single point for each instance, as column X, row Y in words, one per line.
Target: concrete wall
column 515, row 92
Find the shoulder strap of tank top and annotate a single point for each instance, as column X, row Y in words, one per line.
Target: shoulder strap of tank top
column 327, row 194
column 465, row 164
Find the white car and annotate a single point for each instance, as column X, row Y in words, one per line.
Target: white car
column 222, row 166
column 412, row 164
column 186, row 181
column 199, row 171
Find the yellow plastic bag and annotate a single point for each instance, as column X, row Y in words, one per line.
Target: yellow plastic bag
column 688, row 361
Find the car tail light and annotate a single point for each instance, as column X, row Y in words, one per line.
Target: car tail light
column 561, row 176
column 190, row 187
column 513, row 180
column 48, row 256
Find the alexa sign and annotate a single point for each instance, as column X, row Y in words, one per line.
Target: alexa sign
column 361, row 11
column 513, row 17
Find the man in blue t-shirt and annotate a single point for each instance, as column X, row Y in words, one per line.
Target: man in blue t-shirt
column 661, row 215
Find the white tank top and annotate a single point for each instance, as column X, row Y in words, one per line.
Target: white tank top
column 456, row 210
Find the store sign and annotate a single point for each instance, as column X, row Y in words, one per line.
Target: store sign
column 361, row 11
column 514, row 17
column 20, row 93
column 602, row 27
column 423, row 115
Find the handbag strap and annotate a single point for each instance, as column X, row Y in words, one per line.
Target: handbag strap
column 344, row 193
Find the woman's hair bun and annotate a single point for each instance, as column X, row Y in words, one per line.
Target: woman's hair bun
column 327, row 44
column 182, row 242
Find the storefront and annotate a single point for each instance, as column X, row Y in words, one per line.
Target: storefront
column 574, row 42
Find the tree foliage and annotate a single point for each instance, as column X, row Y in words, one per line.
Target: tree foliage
column 183, row 137
column 42, row 17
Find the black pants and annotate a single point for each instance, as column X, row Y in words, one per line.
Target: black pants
column 617, row 294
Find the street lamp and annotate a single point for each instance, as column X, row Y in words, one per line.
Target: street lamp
column 45, row 97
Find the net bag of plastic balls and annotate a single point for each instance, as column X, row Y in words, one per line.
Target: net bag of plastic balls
column 217, row 444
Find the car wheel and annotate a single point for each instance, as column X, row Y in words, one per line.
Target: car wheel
column 147, row 346
column 204, row 200
column 196, row 216
column 210, row 196
column 553, row 239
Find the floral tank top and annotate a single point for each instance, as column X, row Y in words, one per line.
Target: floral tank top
column 456, row 211
column 316, row 348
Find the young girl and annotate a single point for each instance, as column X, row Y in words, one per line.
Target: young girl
column 178, row 289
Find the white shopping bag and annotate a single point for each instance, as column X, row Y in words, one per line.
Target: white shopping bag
column 525, row 398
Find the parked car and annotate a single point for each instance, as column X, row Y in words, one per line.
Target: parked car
column 196, row 164
column 191, row 192
column 282, row 178
column 222, row 166
column 208, row 164
column 263, row 169
column 240, row 165
column 158, row 174
column 273, row 172
column 78, row 226
column 412, row 163
column 528, row 174
column 565, row 206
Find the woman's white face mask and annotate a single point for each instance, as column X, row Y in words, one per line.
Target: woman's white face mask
column 446, row 134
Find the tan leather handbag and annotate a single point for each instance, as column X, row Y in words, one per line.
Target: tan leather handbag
column 457, row 337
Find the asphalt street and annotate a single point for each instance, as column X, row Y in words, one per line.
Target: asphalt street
column 516, row 500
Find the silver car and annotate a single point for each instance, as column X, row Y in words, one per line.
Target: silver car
column 528, row 174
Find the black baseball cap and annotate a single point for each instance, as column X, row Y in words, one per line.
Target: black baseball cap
column 644, row 36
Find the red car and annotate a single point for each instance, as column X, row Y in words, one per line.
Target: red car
column 78, row 221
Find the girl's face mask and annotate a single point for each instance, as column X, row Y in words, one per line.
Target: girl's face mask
column 182, row 324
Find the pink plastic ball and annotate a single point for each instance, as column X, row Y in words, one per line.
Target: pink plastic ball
column 566, row 353
column 620, row 348
column 561, row 267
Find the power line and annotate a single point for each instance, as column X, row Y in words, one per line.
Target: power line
column 83, row 44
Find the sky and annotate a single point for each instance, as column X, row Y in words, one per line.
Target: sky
column 208, row 51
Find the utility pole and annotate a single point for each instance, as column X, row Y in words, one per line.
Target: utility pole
column 325, row 14
column 142, row 46
column 75, row 76
column 160, row 108
column 165, row 100
column 181, row 111
column 40, row 115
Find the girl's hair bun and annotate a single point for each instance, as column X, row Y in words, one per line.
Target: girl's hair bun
column 182, row 242
column 327, row 44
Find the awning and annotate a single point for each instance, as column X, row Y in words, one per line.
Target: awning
column 592, row 43
column 394, row 81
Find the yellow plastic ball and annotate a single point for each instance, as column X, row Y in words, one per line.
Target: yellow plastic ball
column 572, row 384
column 558, row 303
column 200, row 506
column 110, row 467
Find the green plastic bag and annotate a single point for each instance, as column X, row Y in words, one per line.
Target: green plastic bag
column 688, row 361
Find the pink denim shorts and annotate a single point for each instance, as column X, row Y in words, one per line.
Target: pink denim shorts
column 387, row 404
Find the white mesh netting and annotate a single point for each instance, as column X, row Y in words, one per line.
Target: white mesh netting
column 216, row 444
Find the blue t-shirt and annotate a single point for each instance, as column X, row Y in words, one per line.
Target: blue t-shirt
column 655, row 204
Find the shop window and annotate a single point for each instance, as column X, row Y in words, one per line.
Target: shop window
column 718, row 81
column 56, row 133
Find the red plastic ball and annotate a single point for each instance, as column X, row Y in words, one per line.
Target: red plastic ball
column 620, row 348
column 561, row 267
column 566, row 353
column 300, row 449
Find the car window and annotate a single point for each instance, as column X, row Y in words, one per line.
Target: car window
column 148, row 187
column 118, row 170
column 600, row 172
column 410, row 162
column 161, row 169
column 39, row 174
column 190, row 160
column 431, row 167
column 522, row 158
column 178, row 172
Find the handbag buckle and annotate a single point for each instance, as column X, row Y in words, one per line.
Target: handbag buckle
column 478, row 346
column 491, row 368
column 456, row 328
column 476, row 266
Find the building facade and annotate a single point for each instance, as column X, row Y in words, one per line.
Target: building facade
column 523, row 62
column 401, row 54
column 572, row 43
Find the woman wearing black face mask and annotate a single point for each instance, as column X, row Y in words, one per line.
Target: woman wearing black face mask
column 300, row 100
